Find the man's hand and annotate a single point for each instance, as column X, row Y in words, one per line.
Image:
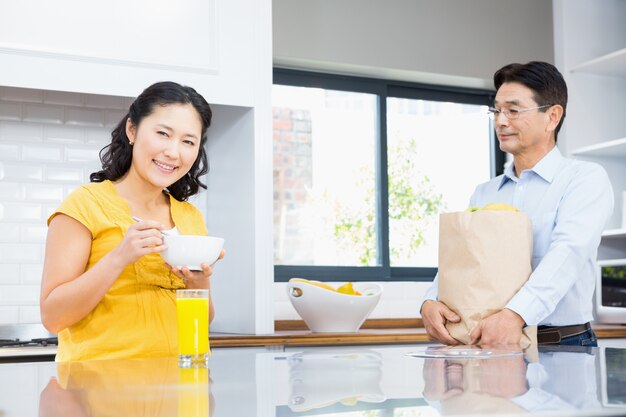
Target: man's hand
column 435, row 315
column 500, row 329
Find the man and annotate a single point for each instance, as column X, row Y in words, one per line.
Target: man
column 568, row 201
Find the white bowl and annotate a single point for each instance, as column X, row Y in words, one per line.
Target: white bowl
column 191, row 250
column 326, row 311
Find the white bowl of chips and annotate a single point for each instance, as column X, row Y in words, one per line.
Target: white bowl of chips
column 325, row 310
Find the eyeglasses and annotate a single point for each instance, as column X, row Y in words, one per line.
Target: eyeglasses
column 512, row 114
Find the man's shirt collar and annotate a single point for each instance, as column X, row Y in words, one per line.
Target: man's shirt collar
column 546, row 168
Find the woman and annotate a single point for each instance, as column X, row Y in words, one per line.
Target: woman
column 106, row 290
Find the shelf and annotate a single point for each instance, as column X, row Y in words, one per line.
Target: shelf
column 615, row 148
column 614, row 233
column 613, row 64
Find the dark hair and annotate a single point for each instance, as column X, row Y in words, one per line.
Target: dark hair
column 116, row 157
column 543, row 79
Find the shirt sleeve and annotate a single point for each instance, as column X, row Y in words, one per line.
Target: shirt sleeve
column 432, row 293
column 581, row 216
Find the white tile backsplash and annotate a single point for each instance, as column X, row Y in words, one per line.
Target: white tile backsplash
column 42, row 113
column 19, row 172
column 64, row 134
column 81, row 154
column 113, row 117
column 10, row 111
column 20, row 211
column 11, row 191
column 21, row 253
column 64, row 174
column 84, row 117
column 49, row 143
column 48, row 210
column 9, row 152
column 30, row 274
column 42, row 153
column 9, row 315
column 10, row 274
column 35, row 233
column 29, row 314
column 44, row 192
column 9, row 232
column 19, row 295
column 19, row 132
column 97, row 136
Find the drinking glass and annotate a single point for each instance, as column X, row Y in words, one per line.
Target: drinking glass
column 192, row 313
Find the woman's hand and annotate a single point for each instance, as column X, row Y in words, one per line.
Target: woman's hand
column 196, row 279
column 142, row 238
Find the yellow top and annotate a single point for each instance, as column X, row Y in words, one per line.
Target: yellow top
column 137, row 316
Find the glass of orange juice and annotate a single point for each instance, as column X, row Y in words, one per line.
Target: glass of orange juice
column 192, row 314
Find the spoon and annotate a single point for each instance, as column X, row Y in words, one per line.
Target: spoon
column 137, row 219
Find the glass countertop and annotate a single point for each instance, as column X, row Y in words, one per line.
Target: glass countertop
column 397, row 381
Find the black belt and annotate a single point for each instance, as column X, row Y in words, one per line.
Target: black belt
column 554, row 334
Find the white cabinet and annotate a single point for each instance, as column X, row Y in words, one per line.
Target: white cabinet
column 119, row 47
column 590, row 50
column 612, row 155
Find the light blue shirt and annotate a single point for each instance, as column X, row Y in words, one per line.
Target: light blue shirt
column 569, row 203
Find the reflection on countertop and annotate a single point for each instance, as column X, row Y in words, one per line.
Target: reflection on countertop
column 146, row 387
column 324, row 377
column 345, row 381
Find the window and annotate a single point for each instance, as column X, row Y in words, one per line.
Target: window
column 323, row 158
column 362, row 169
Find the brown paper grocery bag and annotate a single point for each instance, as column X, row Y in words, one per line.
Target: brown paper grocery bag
column 484, row 259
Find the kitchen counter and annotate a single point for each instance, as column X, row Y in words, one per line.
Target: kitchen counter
column 363, row 336
column 358, row 381
column 282, row 338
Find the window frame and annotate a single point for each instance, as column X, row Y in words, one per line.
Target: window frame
column 383, row 89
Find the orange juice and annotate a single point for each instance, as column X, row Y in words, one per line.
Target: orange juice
column 192, row 312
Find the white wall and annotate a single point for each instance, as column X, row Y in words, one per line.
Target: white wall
column 455, row 42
